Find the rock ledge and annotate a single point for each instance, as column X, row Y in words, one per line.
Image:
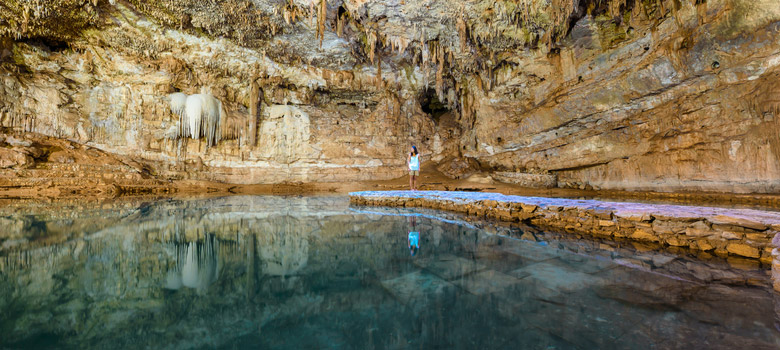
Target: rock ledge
column 746, row 233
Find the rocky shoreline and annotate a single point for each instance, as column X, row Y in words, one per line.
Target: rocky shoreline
column 744, row 233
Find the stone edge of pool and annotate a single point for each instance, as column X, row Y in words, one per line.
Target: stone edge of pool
column 747, row 233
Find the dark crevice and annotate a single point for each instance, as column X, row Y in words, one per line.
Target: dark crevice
column 598, row 7
column 581, row 167
column 47, row 44
column 431, row 105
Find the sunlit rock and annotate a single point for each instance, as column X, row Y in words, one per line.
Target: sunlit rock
column 285, row 135
column 661, row 96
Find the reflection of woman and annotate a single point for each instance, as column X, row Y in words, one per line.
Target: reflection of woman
column 414, row 237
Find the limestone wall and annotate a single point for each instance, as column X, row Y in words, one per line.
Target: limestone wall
column 630, row 95
column 527, row 180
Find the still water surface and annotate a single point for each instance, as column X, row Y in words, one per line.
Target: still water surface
column 249, row 272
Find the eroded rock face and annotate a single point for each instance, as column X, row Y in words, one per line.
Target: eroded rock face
column 638, row 95
column 11, row 158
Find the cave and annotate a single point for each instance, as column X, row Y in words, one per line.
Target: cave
column 244, row 169
column 430, row 104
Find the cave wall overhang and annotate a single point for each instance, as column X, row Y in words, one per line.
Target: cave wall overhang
column 607, row 94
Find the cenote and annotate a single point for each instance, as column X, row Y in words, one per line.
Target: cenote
column 314, row 272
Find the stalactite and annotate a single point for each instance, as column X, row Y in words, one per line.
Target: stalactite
column 194, row 114
column 212, row 111
column 339, row 25
column 290, row 13
column 231, row 126
column 397, row 43
column 701, row 11
column 372, row 40
column 25, row 19
column 462, row 32
column 254, row 112
column 202, row 117
column 311, row 13
column 676, row 17
column 178, row 105
column 440, row 78
column 321, row 19
column 396, row 106
column 663, row 8
column 379, row 73
column 636, row 14
column 614, row 7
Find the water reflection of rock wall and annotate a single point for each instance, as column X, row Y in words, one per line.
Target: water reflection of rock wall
column 100, row 284
column 283, row 244
column 206, row 273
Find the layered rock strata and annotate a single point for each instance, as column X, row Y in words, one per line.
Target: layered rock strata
column 660, row 95
column 745, row 233
column 526, row 180
column 36, row 166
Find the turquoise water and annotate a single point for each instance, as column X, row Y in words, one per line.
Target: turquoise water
column 250, row 272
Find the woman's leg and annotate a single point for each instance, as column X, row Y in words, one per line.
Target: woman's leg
column 414, row 182
column 411, row 181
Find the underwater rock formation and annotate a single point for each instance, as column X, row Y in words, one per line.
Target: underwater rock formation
column 661, row 95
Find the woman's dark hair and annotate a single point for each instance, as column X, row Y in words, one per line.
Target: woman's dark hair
column 414, row 149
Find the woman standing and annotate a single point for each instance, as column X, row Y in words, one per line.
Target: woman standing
column 413, row 160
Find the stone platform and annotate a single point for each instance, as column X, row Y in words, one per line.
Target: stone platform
column 746, row 233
